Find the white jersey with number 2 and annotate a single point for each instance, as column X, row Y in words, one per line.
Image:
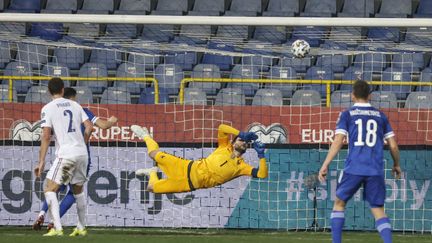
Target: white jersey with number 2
column 65, row 117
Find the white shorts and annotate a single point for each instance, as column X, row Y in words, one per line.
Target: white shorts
column 69, row 171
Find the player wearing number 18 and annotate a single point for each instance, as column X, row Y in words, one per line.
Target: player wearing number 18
column 367, row 128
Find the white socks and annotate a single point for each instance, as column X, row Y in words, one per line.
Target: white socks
column 54, row 209
column 81, row 210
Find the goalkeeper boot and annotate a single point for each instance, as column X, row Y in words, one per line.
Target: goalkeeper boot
column 79, row 232
column 140, row 132
column 37, row 225
column 146, row 171
column 54, row 232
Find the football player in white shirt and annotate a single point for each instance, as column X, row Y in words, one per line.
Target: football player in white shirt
column 64, row 117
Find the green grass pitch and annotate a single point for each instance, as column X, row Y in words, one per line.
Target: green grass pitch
column 152, row 235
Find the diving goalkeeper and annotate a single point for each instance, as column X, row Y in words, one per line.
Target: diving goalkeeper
column 224, row 164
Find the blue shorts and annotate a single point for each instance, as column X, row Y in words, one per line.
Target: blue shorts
column 374, row 188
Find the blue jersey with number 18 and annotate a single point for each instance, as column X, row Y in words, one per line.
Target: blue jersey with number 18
column 366, row 127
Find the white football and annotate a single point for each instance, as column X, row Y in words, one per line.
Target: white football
column 300, row 48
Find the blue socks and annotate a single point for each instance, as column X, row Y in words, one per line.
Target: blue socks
column 337, row 223
column 384, row 228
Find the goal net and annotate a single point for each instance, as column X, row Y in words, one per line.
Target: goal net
column 182, row 82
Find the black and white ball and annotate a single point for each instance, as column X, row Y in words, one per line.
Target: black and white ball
column 300, row 48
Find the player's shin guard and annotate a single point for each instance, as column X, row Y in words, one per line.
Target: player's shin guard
column 337, row 223
column 53, row 205
column 66, row 203
column 151, row 144
column 384, row 228
column 81, row 210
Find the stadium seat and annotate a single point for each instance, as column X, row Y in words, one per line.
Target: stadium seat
column 206, row 71
column 93, row 70
column 337, row 63
column 62, row 5
column 146, row 58
column 13, row 28
column 341, row 99
column 172, row 5
column 374, row 62
column 299, row 64
column 71, row 57
column 354, row 74
column 411, row 62
column 5, row 54
column 268, row 97
column 425, row 76
column 21, row 70
column 25, row 5
column 419, row 100
column 196, row 34
column 52, row 69
column 35, row 55
column 141, row 6
column 356, row 8
column 348, row 35
column 397, row 75
column 38, row 94
column 383, row 99
column 284, row 6
column 319, row 73
column 4, row 94
column 148, row 96
column 319, row 8
column 245, row 72
column 306, row 98
column 115, row 95
column 210, row 5
column 246, row 6
column 130, row 70
column 272, row 34
column 230, row 96
column 185, row 59
column 169, row 77
column 314, row 35
column 124, row 30
column 224, row 62
column 395, row 9
column 236, row 33
column 419, row 36
column 390, row 34
column 107, row 57
column 83, row 31
column 424, row 9
column 84, row 95
column 47, row 31
column 262, row 55
column 282, row 73
column 158, row 32
column 104, row 5
column 194, row 96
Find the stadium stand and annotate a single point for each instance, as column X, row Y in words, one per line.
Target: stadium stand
column 131, row 70
column 185, row 59
column 341, row 99
column 98, row 5
column 27, row 6
column 319, row 73
column 148, row 96
column 224, row 62
column 169, row 77
column 395, row 9
column 262, row 55
column 63, row 5
column 245, row 72
column 4, row 94
column 215, row 6
column 246, row 6
column 84, row 95
column 194, row 96
column 277, row 72
column 356, row 8
column 52, row 69
column 73, row 58
column 280, row 7
column 397, row 75
column 235, row 33
column 206, row 71
column 20, row 70
column 268, row 97
column 38, row 94
column 424, row 9
column 337, row 63
column 419, row 100
column 36, row 55
column 425, row 76
column 93, row 70
column 111, row 59
column 5, row 54
column 299, row 64
column 306, row 98
column 230, row 96
column 410, row 62
column 319, row 8
column 383, row 99
column 374, row 62
column 115, row 95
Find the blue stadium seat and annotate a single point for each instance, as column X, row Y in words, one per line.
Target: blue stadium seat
column 104, row 5
column 374, row 62
column 210, row 5
column 169, row 5
column 130, row 70
column 383, row 99
column 84, row 95
column 393, row 74
column 334, row 45
column 169, row 77
column 230, row 96
column 268, row 97
column 348, row 35
column 354, row 74
column 319, row 73
column 38, row 94
column 320, row 8
column 425, row 76
column 141, row 6
column 71, row 57
column 159, row 32
column 62, row 5
column 5, row 55
column 246, row 6
column 278, row 72
column 411, row 62
column 424, row 9
column 306, row 98
column 341, row 99
column 25, row 5
column 116, row 95
column 91, row 70
column 35, row 55
column 395, row 9
column 146, row 58
column 186, row 59
column 384, row 34
column 83, row 31
column 21, row 70
column 419, row 100
column 52, row 69
column 196, row 34
column 124, row 30
column 194, row 96
column 299, row 64
column 356, row 8
column 47, row 31
column 206, row 71
column 262, row 55
column 236, row 33
column 272, row 34
column 13, row 28
column 224, row 62
column 419, row 36
column 312, row 34
column 284, row 6
column 4, row 94
column 337, row 63
column 107, row 57
column 148, row 96
column 245, row 72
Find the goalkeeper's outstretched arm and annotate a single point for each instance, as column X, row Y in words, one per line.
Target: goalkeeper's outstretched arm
column 262, row 170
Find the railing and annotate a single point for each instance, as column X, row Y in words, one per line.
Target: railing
column 127, row 79
column 328, row 83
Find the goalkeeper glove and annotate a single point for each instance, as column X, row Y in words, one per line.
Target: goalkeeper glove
column 247, row 136
column 259, row 148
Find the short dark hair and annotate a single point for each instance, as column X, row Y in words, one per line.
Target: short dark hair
column 69, row 93
column 55, row 86
column 361, row 89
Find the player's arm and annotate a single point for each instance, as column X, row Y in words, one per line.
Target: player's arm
column 394, row 151
column 105, row 124
column 45, row 141
column 223, row 133
column 334, row 150
column 88, row 129
column 262, row 170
